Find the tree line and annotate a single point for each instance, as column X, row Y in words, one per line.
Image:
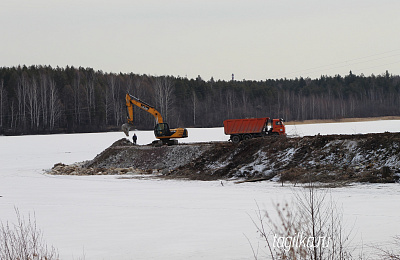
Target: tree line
column 42, row 99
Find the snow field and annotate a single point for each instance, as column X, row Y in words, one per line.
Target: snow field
column 105, row 217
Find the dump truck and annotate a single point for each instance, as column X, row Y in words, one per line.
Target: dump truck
column 244, row 129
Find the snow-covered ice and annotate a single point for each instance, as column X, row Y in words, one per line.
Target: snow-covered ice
column 105, row 217
column 378, row 126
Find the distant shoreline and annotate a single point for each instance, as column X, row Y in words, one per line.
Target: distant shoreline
column 341, row 120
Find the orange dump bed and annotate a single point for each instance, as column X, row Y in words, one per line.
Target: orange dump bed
column 245, row 126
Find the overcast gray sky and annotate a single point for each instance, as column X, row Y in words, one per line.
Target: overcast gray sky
column 253, row 39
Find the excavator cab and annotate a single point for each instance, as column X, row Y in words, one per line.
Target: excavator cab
column 162, row 130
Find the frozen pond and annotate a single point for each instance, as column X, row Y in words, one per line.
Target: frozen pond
column 105, row 217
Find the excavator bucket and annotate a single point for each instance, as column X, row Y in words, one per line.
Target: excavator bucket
column 125, row 128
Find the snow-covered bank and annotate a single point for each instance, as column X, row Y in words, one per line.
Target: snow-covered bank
column 335, row 159
column 104, row 217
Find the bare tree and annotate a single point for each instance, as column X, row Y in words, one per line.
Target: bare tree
column 118, row 105
column 77, row 99
column 22, row 93
column 230, row 102
column 110, row 97
column 2, row 101
column 138, row 90
column 33, row 104
column 89, row 95
column 13, row 115
column 245, row 104
column 54, row 105
column 113, row 100
column 163, row 88
column 194, row 102
column 43, row 82
column 131, row 84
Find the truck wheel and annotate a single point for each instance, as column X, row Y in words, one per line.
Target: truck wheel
column 235, row 139
column 247, row 137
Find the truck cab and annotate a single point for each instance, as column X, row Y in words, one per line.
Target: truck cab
column 278, row 127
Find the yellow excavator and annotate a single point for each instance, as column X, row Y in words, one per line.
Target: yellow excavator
column 161, row 129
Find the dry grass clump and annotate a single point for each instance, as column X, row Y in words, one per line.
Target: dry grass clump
column 24, row 240
column 391, row 254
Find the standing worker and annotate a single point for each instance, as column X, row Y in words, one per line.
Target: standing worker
column 134, row 138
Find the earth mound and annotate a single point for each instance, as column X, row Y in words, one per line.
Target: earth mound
column 328, row 158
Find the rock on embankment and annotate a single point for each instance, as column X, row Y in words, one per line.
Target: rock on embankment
column 370, row 157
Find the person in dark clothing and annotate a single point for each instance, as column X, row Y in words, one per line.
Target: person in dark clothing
column 134, row 138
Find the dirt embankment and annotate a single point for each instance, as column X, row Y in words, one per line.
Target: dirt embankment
column 331, row 158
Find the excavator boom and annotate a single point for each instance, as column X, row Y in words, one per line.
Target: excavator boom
column 161, row 130
column 132, row 100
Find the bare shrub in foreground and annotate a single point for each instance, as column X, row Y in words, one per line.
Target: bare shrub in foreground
column 311, row 228
column 24, row 240
column 389, row 253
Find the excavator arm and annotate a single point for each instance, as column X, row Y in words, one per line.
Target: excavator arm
column 130, row 101
column 161, row 130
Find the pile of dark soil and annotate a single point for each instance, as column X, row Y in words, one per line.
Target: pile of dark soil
column 330, row 158
column 124, row 154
